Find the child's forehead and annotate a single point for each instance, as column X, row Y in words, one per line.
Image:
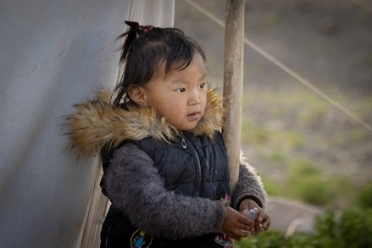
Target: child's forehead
column 164, row 70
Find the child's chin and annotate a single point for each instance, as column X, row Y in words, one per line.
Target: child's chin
column 188, row 128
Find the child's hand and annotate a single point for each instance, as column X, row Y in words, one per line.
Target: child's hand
column 262, row 221
column 236, row 225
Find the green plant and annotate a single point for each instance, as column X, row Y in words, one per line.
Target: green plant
column 253, row 134
column 326, row 230
column 356, row 229
column 313, row 190
column 278, row 156
column 352, row 229
column 306, row 183
column 269, row 239
column 271, row 187
column 365, row 196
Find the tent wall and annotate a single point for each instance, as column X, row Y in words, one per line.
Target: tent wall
column 54, row 54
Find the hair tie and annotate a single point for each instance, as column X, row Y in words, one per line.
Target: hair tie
column 139, row 28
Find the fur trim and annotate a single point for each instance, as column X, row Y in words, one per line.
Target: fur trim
column 249, row 185
column 96, row 123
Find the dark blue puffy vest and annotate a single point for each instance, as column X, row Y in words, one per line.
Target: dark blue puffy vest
column 192, row 165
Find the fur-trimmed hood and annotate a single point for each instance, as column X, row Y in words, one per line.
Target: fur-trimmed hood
column 96, row 123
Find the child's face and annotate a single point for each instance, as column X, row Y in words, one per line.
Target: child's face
column 181, row 96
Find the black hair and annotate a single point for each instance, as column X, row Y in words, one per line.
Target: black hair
column 143, row 53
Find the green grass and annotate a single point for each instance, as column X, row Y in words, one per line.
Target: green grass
column 305, row 138
column 258, row 135
column 306, row 182
column 364, row 196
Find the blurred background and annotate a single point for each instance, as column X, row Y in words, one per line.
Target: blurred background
column 312, row 144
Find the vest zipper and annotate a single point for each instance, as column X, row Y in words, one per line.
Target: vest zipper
column 197, row 181
column 183, row 142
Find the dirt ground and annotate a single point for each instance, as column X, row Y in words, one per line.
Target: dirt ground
column 328, row 43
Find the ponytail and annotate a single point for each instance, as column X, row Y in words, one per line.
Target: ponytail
column 144, row 50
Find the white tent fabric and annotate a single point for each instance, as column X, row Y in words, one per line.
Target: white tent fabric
column 52, row 55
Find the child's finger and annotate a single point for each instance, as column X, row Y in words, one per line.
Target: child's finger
column 245, row 228
column 266, row 222
column 238, row 234
column 258, row 227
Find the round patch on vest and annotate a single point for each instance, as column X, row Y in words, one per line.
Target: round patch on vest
column 140, row 239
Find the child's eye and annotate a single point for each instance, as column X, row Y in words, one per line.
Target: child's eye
column 203, row 85
column 180, row 90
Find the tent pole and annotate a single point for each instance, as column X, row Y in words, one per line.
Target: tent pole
column 233, row 84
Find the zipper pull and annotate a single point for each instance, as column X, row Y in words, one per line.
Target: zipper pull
column 183, row 142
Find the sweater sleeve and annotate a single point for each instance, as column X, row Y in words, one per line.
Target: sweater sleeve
column 136, row 188
column 249, row 185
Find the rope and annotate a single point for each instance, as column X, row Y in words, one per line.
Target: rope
column 281, row 65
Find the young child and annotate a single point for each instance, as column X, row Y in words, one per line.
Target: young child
column 164, row 159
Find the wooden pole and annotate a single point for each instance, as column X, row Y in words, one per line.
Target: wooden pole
column 233, row 84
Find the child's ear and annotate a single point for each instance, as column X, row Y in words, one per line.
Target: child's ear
column 137, row 95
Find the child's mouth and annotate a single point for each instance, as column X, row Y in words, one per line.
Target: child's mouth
column 194, row 116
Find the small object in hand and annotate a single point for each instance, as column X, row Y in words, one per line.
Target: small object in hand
column 252, row 214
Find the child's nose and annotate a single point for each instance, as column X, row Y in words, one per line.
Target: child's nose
column 195, row 97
